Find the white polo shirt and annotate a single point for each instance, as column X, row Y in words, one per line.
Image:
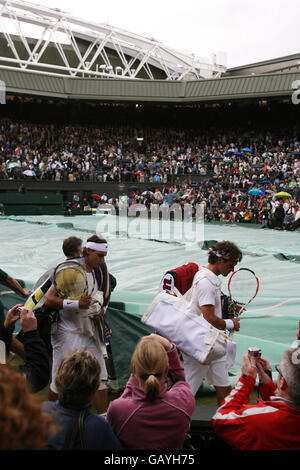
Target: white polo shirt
column 207, row 291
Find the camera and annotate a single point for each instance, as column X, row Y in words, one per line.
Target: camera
column 254, row 352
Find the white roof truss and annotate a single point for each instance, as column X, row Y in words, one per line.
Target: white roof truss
column 135, row 53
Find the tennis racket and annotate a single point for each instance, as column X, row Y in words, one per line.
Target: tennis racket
column 243, row 286
column 70, row 281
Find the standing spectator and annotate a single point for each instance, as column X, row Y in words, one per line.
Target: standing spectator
column 274, row 423
column 77, row 380
column 36, row 368
column 279, row 214
column 147, row 415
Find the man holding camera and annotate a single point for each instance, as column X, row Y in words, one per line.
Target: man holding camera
column 274, row 422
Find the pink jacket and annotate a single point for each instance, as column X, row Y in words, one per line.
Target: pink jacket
column 162, row 424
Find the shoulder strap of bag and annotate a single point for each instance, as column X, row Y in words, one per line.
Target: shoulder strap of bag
column 75, row 427
column 198, row 277
column 204, row 275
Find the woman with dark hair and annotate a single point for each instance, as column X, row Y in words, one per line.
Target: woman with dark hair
column 149, row 415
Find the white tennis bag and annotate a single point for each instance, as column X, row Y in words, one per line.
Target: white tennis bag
column 174, row 318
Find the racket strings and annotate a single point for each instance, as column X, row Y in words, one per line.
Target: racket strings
column 242, row 286
column 71, row 281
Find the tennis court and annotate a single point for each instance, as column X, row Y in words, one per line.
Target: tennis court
column 139, row 258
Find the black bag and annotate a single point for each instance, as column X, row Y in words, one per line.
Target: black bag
column 201, row 435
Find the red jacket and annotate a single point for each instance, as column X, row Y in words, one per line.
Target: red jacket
column 270, row 425
column 159, row 425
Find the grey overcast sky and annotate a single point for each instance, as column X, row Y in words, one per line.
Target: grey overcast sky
column 246, row 30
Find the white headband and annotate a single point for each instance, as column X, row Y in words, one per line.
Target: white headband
column 217, row 253
column 103, row 247
column 210, row 250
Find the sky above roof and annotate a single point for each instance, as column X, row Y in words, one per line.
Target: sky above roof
column 246, row 30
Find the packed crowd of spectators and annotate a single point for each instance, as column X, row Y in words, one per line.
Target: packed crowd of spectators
column 231, row 165
column 70, row 153
column 220, row 201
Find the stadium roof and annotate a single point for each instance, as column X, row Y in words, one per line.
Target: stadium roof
column 280, row 64
column 69, row 46
column 72, row 58
column 241, row 87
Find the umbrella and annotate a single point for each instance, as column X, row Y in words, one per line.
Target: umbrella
column 29, row 173
column 255, row 192
column 228, row 153
column 133, row 188
column 96, row 196
column 147, row 193
column 246, row 149
column 283, row 194
column 267, row 154
column 11, row 165
column 238, row 153
column 138, row 173
column 217, row 157
column 170, row 198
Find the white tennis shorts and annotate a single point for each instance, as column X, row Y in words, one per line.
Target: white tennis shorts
column 215, row 373
column 65, row 342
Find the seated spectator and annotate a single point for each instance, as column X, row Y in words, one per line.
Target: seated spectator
column 248, row 214
column 77, row 380
column 148, row 415
column 22, row 424
column 274, row 423
column 36, row 368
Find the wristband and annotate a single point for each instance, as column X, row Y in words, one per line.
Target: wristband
column 71, row 305
column 229, row 324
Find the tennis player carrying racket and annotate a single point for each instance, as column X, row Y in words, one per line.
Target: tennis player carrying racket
column 75, row 287
column 206, row 300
